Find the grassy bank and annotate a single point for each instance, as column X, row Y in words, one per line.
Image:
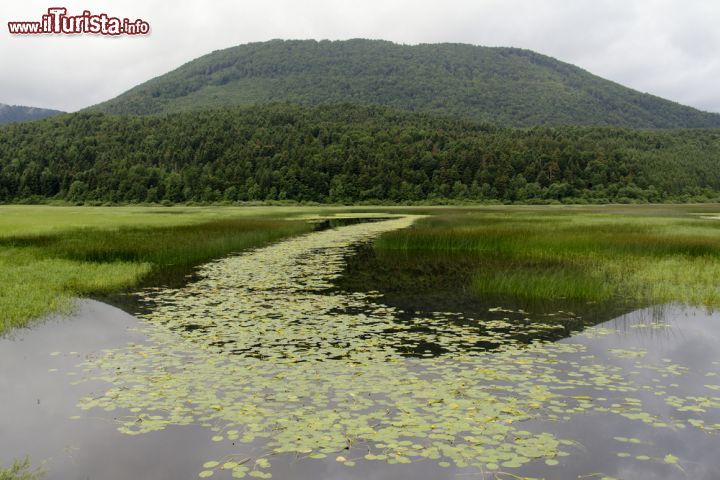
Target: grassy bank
column 648, row 255
column 49, row 255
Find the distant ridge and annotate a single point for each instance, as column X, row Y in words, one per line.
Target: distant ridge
column 504, row 86
column 17, row 113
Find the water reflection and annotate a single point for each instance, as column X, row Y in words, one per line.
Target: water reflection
column 377, row 391
column 426, row 283
column 679, row 359
column 38, row 403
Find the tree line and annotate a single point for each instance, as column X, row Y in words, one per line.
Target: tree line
column 346, row 154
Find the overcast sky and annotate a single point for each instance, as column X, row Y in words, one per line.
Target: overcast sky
column 669, row 48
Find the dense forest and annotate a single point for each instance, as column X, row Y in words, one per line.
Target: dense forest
column 17, row 113
column 346, row 153
column 502, row 86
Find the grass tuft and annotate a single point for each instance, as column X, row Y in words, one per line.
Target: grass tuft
column 21, row 470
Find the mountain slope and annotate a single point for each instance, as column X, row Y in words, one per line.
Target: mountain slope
column 16, row 113
column 504, row 86
column 346, row 153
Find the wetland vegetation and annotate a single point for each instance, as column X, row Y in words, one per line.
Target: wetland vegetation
column 62, row 253
column 532, row 255
column 20, row 470
column 569, row 257
column 456, row 341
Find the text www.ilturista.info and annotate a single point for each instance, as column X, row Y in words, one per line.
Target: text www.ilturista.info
column 57, row 21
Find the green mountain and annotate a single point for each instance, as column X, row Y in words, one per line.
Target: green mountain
column 346, row 153
column 16, row 113
column 503, row 86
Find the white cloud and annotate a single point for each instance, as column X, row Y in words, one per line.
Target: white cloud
column 665, row 47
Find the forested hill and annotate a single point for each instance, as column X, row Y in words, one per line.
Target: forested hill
column 16, row 113
column 346, row 153
column 504, row 86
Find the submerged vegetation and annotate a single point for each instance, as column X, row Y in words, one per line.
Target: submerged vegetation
column 277, row 366
column 42, row 270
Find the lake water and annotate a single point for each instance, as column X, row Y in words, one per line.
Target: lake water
column 261, row 360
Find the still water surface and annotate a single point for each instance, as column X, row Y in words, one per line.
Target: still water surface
column 665, row 359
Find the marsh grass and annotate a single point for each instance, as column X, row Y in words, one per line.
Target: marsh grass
column 587, row 256
column 165, row 246
column 543, row 283
column 41, row 273
column 21, row 470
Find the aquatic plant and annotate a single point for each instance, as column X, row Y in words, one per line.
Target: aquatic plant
column 21, row 470
column 263, row 352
